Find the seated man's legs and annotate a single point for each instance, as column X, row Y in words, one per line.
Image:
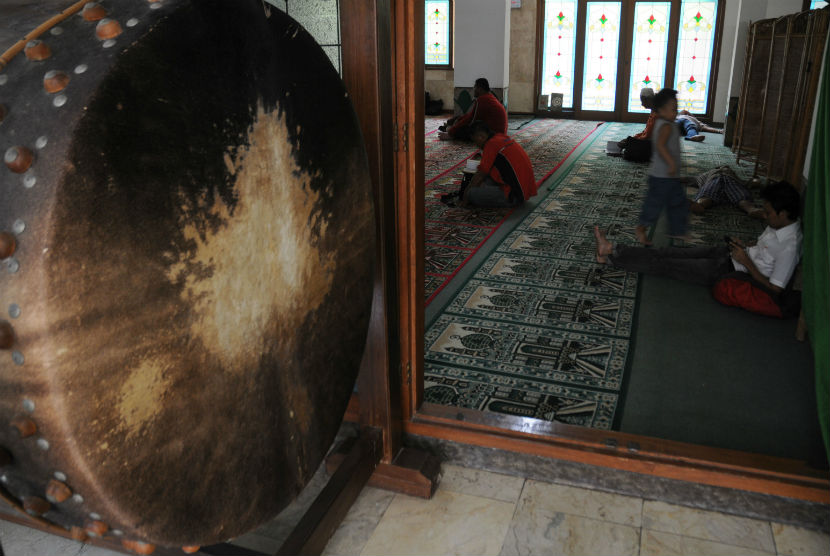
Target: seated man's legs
column 489, row 195
column 698, row 265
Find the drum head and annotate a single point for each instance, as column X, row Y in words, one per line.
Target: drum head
column 194, row 280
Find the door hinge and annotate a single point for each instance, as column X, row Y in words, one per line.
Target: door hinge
column 406, row 137
column 408, row 372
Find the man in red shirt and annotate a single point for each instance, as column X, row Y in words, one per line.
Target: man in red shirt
column 485, row 108
column 505, row 174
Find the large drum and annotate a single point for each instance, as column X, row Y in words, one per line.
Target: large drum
column 188, row 246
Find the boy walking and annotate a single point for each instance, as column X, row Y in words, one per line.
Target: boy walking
column 664, row 187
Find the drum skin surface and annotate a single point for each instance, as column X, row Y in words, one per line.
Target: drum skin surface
column 191, row 287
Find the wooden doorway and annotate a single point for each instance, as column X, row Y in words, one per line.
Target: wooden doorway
column 612, row 449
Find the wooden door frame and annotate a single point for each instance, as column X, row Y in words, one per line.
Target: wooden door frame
column 367, row 73
column 650, row 456
column 626, row 19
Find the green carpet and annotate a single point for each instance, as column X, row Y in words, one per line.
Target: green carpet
column 539, row 330
column 453, row 235
column 713, row 375
column 718, row 376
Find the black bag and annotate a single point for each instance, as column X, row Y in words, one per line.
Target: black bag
column 452, row 199
column 432, row 107
column 636, row 150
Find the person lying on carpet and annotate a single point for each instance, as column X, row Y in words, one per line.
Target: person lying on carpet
column 664, row 186
column 690, row 126
column 505, row 174
column 720, row 186
column 485, row 108
column 767, row 264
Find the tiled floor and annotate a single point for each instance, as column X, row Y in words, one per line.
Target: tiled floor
column 480, row 512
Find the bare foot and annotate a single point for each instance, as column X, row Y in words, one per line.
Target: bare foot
column 642, row 235
column 697, row 138
column 696, row 208
column 604, row 247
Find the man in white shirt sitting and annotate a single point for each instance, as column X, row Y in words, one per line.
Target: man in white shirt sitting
column 770, row 262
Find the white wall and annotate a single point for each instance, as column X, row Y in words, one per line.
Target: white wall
column 777, row 8
column 727, row 52
column 482, row 42
column 747, row 12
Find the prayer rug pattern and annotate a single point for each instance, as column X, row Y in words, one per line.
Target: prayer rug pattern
column 453, row 235
column 540, row 330
column 490, row 391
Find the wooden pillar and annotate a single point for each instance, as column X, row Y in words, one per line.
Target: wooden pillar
column 409, row 194
column 367, row 74
column 383, row 61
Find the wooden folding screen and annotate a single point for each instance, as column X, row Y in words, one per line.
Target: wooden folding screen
column 783, row 61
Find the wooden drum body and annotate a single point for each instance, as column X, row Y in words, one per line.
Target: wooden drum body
column 189, row 290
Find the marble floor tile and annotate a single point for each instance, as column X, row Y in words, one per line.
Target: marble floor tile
column 795, row 541
column 360, row 522
column 449, row 523
column 711, row 526
column 259, row 542
column 604, row 506
column 535, row 530
column 657, row 543
column 90, row 550
column 18, row 540
column 481, row 483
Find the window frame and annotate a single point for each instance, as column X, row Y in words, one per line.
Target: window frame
column 450, row 38
column 621, row 113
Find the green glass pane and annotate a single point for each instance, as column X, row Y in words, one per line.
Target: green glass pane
column 559, row 50
column 694, row 54
column 648, row 55
column 437, row 32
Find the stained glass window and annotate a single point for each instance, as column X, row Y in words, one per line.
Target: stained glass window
column 694, row 54
column 648, row 57
column 816, row 4
column 602, row 37
column 437, row 25
column 559, row 49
